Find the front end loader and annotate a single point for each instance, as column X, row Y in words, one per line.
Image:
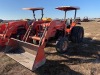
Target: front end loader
column 30, row 50
column 24, row 51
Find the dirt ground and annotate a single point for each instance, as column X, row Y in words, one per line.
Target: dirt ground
column 81, row 59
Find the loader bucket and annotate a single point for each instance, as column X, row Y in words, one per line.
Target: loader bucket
column 29, row 55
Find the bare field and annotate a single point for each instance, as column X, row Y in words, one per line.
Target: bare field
column 81, row 59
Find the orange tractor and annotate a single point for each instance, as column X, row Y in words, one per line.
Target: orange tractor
column 29, row 51
column 15, row 29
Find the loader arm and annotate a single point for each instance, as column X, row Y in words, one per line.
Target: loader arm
column 34, row 53
column 28, row 54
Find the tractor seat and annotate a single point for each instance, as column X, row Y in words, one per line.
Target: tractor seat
column 68, row 23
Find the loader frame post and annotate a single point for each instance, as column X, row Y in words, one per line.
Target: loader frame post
column 34, row 15
column 75, row 15
column 65, row 21
column 65, row 16
column 42, row 14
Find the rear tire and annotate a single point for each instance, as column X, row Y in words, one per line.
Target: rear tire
column 77, row 34
column 62, row 45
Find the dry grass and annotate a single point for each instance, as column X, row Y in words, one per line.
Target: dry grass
column 81, row 59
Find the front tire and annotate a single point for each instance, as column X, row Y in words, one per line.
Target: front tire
column 62, row 45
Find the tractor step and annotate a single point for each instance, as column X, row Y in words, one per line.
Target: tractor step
column 36, row 38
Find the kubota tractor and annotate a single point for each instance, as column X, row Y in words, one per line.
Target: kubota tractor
column 30, row 50
column 15, row 29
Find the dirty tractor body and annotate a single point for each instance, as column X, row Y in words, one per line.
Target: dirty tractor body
column 29, row 51
column 14, row 29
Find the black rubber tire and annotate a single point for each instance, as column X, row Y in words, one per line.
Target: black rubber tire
column 77, row 34
column 59, row 33
column 62, row 42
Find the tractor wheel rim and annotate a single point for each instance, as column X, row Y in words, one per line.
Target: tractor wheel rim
column 64, row 46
